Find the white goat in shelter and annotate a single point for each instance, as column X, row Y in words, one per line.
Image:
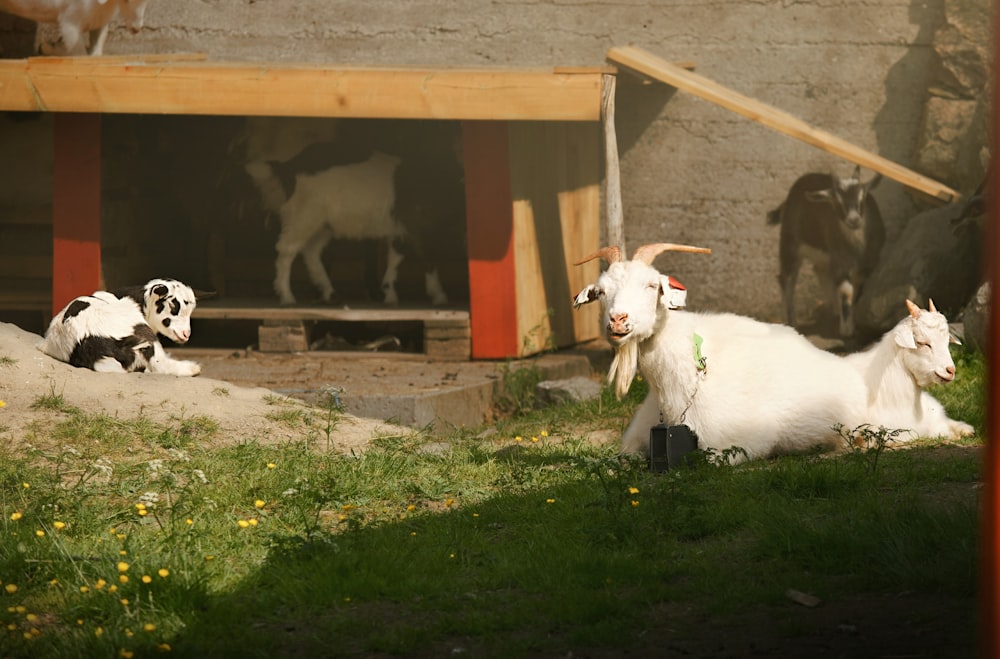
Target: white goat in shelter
column 354, row 200
column 116, row 332
column 909, row 357
column 76, row 17
column 735, row 381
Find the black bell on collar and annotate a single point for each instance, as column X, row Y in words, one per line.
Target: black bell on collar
column 670, row 446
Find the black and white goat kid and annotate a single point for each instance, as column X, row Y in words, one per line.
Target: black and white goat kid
column 836, row 224
column 116, row 332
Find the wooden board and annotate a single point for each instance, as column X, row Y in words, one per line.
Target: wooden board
column 555, row 185
column 243, row 310
column 154, row 86
column 659, row 69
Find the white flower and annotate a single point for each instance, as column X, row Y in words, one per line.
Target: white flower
column 149, row 498
column 200, row 475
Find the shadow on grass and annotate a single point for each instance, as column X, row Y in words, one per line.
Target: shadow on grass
column 624, row 561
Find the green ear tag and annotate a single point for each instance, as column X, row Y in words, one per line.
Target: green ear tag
column 699, row 359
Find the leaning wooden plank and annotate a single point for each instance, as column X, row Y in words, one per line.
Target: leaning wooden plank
column 650, row 65
column 84, row 85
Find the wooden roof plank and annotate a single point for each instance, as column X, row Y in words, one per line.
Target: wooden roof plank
column 650, row 65
column 193, row 87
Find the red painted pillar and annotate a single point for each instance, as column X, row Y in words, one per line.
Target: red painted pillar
column 490, row 226
column 76, row 207
column 989, row 562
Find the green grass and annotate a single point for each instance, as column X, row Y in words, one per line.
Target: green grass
column 129, row 538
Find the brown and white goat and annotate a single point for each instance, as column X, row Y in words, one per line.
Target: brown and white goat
column 836, row 224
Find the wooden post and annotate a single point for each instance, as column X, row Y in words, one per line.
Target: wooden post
column 76, row 207
column 490, row 226
column 612, row 174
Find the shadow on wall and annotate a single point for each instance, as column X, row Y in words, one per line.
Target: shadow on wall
column 901, row 99
column 638, row 102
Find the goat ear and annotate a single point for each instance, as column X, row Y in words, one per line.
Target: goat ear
column 903, row 336
column 672, row 292
column 586, row 296
column 159, row 290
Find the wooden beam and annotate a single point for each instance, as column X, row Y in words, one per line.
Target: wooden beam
column 76, row 207
column 122, row 85
column 493, row 304
column 650, row 65
column 612, row 174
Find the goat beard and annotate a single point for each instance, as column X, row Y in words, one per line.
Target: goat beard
column 624, row 367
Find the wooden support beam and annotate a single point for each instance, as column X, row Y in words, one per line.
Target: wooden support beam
column 76, row 207
column 655, row 67
column 155, row 86
column 612, row 174
column 490, row 235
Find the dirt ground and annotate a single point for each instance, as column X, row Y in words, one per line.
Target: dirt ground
column 242, row 411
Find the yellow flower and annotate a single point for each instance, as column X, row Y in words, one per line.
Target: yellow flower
column 259, row 503
column 210, row 557
column 243, row 523
column 142, row 512
column 122, row 566
column 550, row 501
column 252, row 521
column 84, row 589
column 140, row 506
column 126, row 654
column 20, row 609
column 122, row 552
column 26, row 485
column 123, row 578
column 124, row 602
column 16, row 516
column 3, row 404
column 147, row 579
column 633, row 490
column 163, row 572
column 31, row 617
column 448, row 503
column 519, row 439
column 163, row 647
column 112, row 588
column 149, row 627
column 410, row 508
column 545, row 433
column 100, row 583
column 634, row 503
column 189, row 521
column 40, row 533
column 10, row 588
column 99, row 632
column 58, row 526
column 534, row 439
column 271, row 465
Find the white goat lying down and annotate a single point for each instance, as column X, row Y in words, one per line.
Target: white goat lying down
column 116, row 332
column 735, row 381
column 912, row 355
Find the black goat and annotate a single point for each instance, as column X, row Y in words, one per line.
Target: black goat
column 836, row 224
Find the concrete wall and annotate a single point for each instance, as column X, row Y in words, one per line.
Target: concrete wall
column 691, row 171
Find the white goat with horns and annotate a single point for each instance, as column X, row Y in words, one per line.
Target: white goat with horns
column 912, row 355
column 735, row 381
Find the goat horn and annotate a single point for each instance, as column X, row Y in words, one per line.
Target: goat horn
column 930, row 305
column 914, row 309
column 647, row 253
column 610, row 254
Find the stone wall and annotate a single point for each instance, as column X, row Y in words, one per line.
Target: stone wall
column 864, row 70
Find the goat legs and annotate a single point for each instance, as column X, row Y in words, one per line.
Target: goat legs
column 393, row 259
